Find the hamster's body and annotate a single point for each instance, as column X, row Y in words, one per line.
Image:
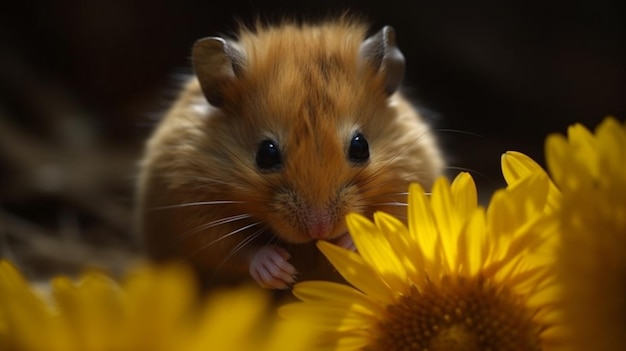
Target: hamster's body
column 304, row 125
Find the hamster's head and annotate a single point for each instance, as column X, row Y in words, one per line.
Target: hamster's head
column 311, row 126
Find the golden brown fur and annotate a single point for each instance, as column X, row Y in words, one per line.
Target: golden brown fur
column 305, row 87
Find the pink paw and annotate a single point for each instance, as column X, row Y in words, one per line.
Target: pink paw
column 346, row 242
column 270, row 269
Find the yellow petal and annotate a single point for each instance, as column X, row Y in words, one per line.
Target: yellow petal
column 502, row 218
column 557, row 150
column 411, row 262
column 170, row 287
column 229, row 319
column 447, row 220
column 373, row 246
column 464, row 195
column 347, row 343
column 334, row 293
column 357, row 272
column 93, row 308
column 583, row 142
column 529, row 195
column 516, row 166
column 573, row 163
column 474, row 238
column 611, row 144
column 422, row 226
column 26, row 317
column 330, row 317
column 549, row 294
column 293, row 335
column 10, row 276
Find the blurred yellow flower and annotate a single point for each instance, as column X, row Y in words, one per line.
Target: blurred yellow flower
column 590, row 170
column 458, row 278
column 155, row 308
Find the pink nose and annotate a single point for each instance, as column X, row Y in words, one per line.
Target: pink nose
column 318, row 224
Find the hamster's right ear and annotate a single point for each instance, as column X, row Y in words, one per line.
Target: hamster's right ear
column 216, row 61
column 381, row 52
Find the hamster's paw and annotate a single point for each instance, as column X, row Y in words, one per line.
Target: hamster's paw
column 346, row 242
column 270, row 269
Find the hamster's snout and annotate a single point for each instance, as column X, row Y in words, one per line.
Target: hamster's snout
column 319, row 223
column 301, row 219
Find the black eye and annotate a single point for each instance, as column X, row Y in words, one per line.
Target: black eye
column 268, row 155
column 359, row 151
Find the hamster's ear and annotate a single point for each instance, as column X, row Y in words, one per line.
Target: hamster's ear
column 380, row 51
column 215, row 62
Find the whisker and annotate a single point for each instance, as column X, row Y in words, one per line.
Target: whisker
column 200, row 203
column 470, row 170
column 389, row 195
column 400, row 193
column 236, row 249
column 211, row 224
column 218, row 222
column 399, row 204
column 458, row 168
column 446, row 130
column 382, row 168
column 242, row 244
column 222, row 238
column 205, row 180
column 374, row 183
column 273, row 240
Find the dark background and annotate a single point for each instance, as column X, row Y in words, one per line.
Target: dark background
column 82, row 83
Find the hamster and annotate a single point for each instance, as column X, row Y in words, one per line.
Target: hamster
column 281, row 133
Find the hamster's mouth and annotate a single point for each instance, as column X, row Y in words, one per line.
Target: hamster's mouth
column 344, row 240
column 341, row 236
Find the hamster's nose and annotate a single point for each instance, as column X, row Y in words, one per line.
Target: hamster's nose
column 319, row 223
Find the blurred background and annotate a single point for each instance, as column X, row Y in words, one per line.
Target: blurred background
column 82, row 84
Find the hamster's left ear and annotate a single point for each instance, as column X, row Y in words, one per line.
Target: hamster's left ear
column 215, row 62
column 380, row 51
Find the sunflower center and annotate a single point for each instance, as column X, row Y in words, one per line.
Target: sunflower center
column 459, row 315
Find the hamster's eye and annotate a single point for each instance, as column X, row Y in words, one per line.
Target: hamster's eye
column 268, row 155
column 359, row 151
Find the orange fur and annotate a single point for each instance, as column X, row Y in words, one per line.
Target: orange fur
column 303, row 86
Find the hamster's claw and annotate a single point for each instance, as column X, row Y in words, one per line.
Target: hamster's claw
column 270, row 269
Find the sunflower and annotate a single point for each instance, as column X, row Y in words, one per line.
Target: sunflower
column 459, row 277
column 155, row 308
column 590, row 170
